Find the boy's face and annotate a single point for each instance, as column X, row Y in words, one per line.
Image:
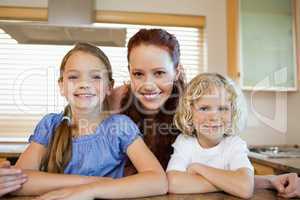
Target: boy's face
column 212, row 116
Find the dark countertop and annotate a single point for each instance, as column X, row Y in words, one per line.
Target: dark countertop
column 258, row 195
column 280, row 164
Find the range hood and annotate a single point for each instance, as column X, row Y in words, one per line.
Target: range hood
column 69, row 21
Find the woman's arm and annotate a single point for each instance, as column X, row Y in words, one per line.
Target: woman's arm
column 239, row 182
column 41, row 182
column 150, row 180
column 188, row 183
column 287, row 185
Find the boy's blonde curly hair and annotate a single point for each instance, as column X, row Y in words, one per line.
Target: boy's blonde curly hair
column 201, row 85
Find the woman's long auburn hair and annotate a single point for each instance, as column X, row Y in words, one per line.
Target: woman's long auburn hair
column 158, row 139
column 59, row 151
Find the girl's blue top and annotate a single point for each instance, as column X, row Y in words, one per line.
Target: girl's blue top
column 102, row 153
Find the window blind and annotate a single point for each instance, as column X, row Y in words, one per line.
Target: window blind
column 29, row 74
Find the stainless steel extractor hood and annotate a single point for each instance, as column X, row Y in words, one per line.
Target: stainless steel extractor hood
column 69, row 21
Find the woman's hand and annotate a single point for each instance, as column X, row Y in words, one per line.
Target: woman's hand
column 11, row 179
column 287, row 185
column 70, row 193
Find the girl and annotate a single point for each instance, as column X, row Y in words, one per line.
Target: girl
column 208, row 155
column 156, row 81
column 86, row 140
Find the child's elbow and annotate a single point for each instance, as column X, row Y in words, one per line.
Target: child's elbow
column 163, row 189
column 246, row 194
column 172, row 183
column 246, row 190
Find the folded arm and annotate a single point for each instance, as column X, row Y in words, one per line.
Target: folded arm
column 41, row 182
column 186, row 183
column 150, row 180
column 238, row 182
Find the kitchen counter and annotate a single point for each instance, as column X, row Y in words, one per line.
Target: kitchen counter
column 258, row 195
column 281, row 165
column 12, row 150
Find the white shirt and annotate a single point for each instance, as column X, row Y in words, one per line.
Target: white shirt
column 230, row 154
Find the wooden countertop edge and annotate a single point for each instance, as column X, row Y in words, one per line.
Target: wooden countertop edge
column 276, row 165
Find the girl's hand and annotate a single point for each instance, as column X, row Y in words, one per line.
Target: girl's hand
column 11, row 179
column 70, row 193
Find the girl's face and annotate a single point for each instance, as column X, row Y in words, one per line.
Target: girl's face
column 85, row 82
column 152, row 75
column 212, row 115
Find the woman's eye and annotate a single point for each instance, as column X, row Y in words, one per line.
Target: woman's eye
column 159, row 73
column 137, row 74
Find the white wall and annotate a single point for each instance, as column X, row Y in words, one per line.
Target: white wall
column 264, row 103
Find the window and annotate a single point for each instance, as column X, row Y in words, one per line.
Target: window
column 29, row 74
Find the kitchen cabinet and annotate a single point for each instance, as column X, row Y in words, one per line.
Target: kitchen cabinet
column 262, row 45
column 261, row 169
column 264, row 165
column 267, row 45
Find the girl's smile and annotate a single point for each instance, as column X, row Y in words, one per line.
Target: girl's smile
column 84, row 82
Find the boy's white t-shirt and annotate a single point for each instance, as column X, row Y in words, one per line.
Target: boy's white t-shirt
column 230, row 154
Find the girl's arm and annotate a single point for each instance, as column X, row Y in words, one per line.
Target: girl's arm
column 41, row 182
column 239, row 182
column 150, row 180
column 188, row 183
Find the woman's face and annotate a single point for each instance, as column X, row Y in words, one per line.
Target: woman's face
column 152, row 75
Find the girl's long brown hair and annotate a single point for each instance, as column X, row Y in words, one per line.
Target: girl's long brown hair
column 59, row 151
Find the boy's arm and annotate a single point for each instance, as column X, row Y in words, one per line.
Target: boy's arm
column 239, row 182
column 186, row 183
